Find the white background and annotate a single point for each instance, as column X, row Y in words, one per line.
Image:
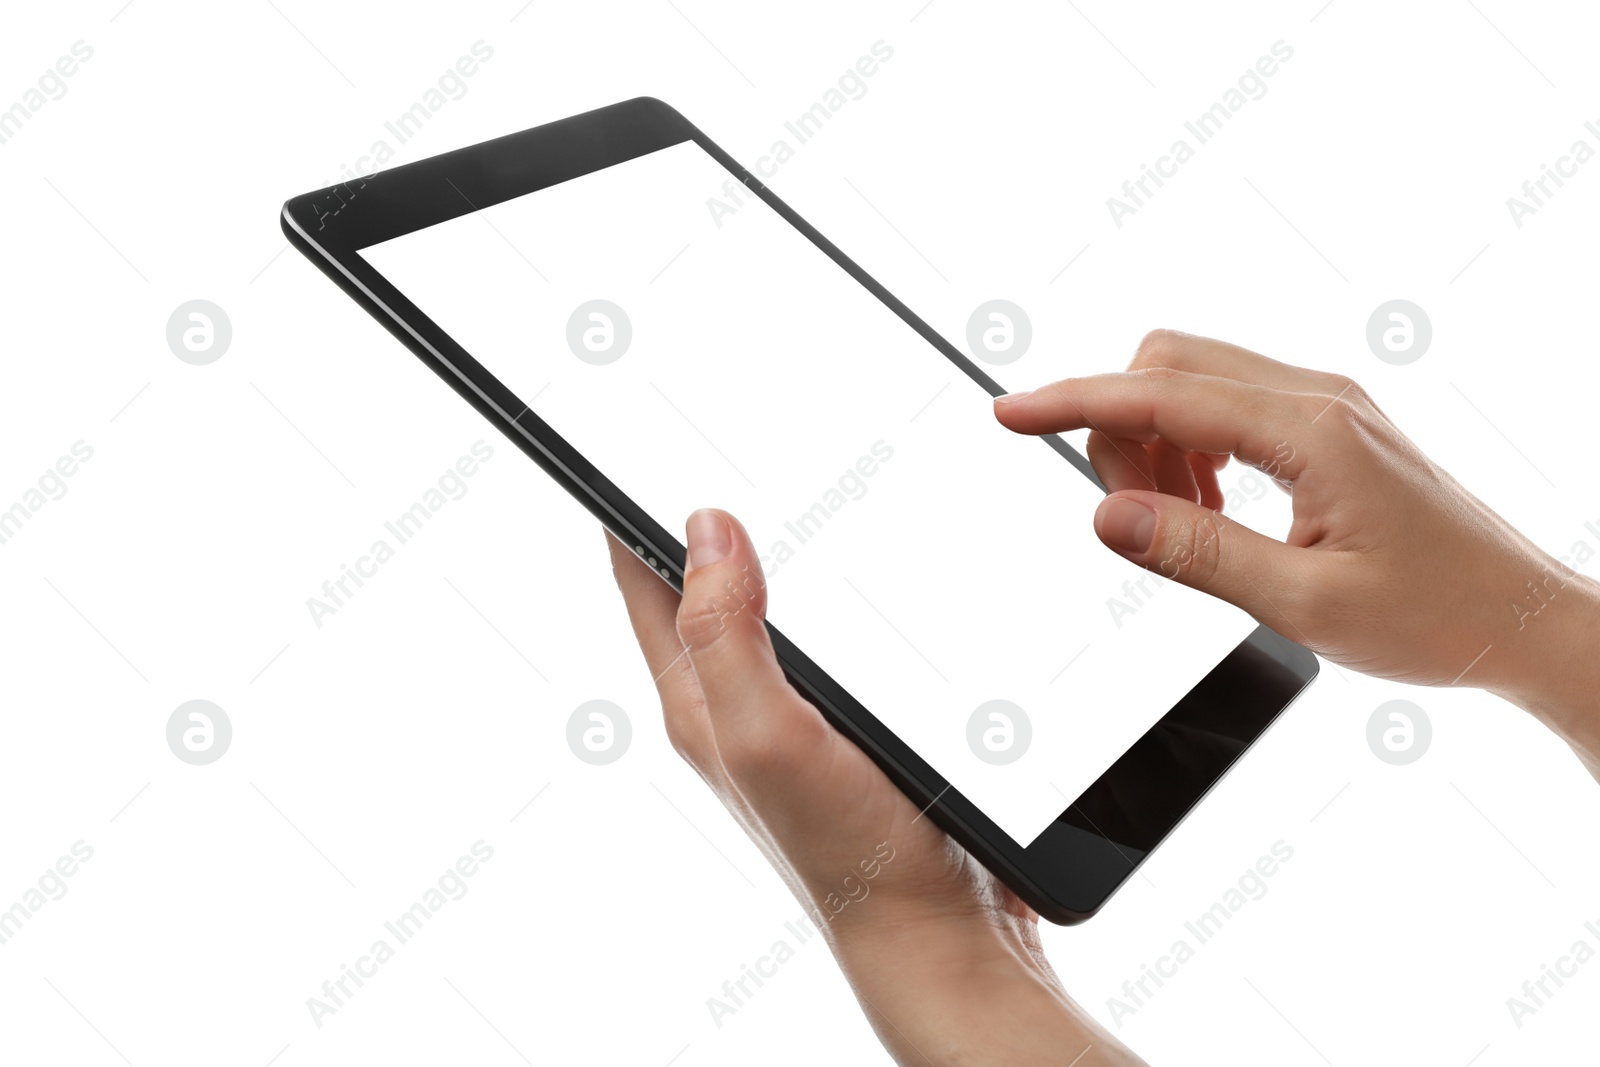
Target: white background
column 370, row 754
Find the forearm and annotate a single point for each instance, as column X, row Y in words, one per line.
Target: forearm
column 1551, row 663
column 972, row 994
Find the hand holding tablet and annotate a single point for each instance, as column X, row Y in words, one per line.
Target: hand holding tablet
column 652, row 355
column 1391, row 568
column 753, row 363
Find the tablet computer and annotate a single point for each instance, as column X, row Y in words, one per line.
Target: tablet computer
column 657, row 330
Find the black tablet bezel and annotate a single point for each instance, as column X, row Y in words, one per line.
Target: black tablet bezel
column 1071, row 869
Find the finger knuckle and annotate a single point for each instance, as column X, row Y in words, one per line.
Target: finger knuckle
column 704, row 620
column 1350, row 390
column 1341, row 416
column 755, row 755
column 1190, row 553
column 684, row 717
column 1159, row 384
column 1161, row 373
column 1311, row 408
column 1160, row 347
column 678, row 739
column 714, row 605
column 1357, row 389
column 784, row 745
column 1055, row 391
column 684, row 726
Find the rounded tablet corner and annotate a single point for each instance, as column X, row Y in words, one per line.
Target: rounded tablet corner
column 657, row 108
column 656, row 104
column 286, row 217
column 1286, row 655
column 1304, row 662
column 294, row 216
column 1057, row 907
column 1056, row 915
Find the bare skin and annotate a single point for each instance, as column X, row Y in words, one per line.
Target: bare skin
column 1390, row 567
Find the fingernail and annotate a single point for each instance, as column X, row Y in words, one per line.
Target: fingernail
column 1128, row 525
column 1011, row 398
column 710, row 540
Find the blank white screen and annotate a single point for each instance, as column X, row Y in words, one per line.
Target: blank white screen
column 928, row 559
